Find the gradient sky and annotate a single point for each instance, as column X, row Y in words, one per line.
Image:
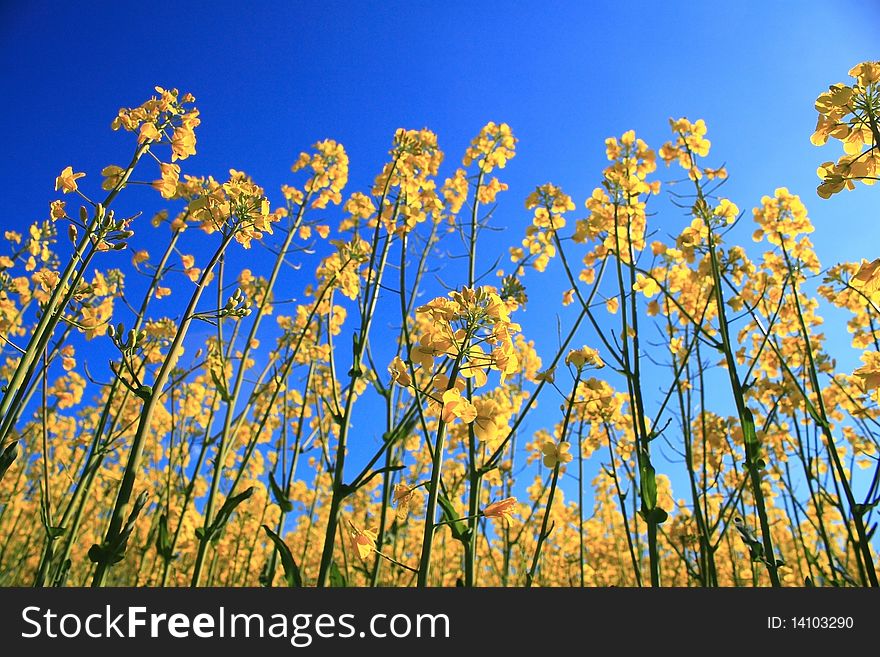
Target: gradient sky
column 273, row 78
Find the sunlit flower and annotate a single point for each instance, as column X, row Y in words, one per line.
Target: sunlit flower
column 503, row 509
column 66, row 182
column 403, row 499
column 584, row 357
column 556, row 453
column 399, row 372
column 867, row 278
column 363, row 542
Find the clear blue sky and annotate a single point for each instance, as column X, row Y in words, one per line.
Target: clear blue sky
column 273, row 78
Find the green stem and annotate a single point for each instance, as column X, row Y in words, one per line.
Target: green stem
column 150, row 403
column 544, row 534
column 62, row 293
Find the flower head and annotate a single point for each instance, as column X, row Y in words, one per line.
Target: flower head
column 584, row 357
column 556, row 454
column 503, row 509
column 403, row 499
column 867, row 278
column 399, row 372
column 364, row 542
column 66, row 182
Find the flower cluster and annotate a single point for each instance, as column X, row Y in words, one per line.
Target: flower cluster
column 850, row 114
column 549, row 203
column 165, row 117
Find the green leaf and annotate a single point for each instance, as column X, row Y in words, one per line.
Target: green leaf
column 291, row 570
column 337, row 579
column 657, row 516
column 750, row 436
column 279, row 496
column 221, row 386
column 163, row 539
column 226, row 511
column 648, row 483
column 113, row 551
column 7, row 456
column 459, row 529
column 97, row 554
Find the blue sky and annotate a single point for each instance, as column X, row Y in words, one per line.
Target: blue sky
column 273, row 78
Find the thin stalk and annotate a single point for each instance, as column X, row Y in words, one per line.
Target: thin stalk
column 150, row 403
column 544, row 533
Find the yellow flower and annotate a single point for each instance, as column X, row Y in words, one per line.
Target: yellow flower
column 494, row 146
column 584, row 357
column 548, row 375
column 183, row 142
column 67, row 360
column 192, row 272
column 485, row 428
column 867, row 278
column 645, row 285
column 403, row 498
column 869, row 373
column 139, row 257
column 47, row 279
column 556, row 454
column 727, row 210
column 503, row 509
column 399, row 372
column 364, row 542
column 167, row 183
column 148, row 132
column 56, row 210
column 423, row 353
column 456, row 406
column 66, row 182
